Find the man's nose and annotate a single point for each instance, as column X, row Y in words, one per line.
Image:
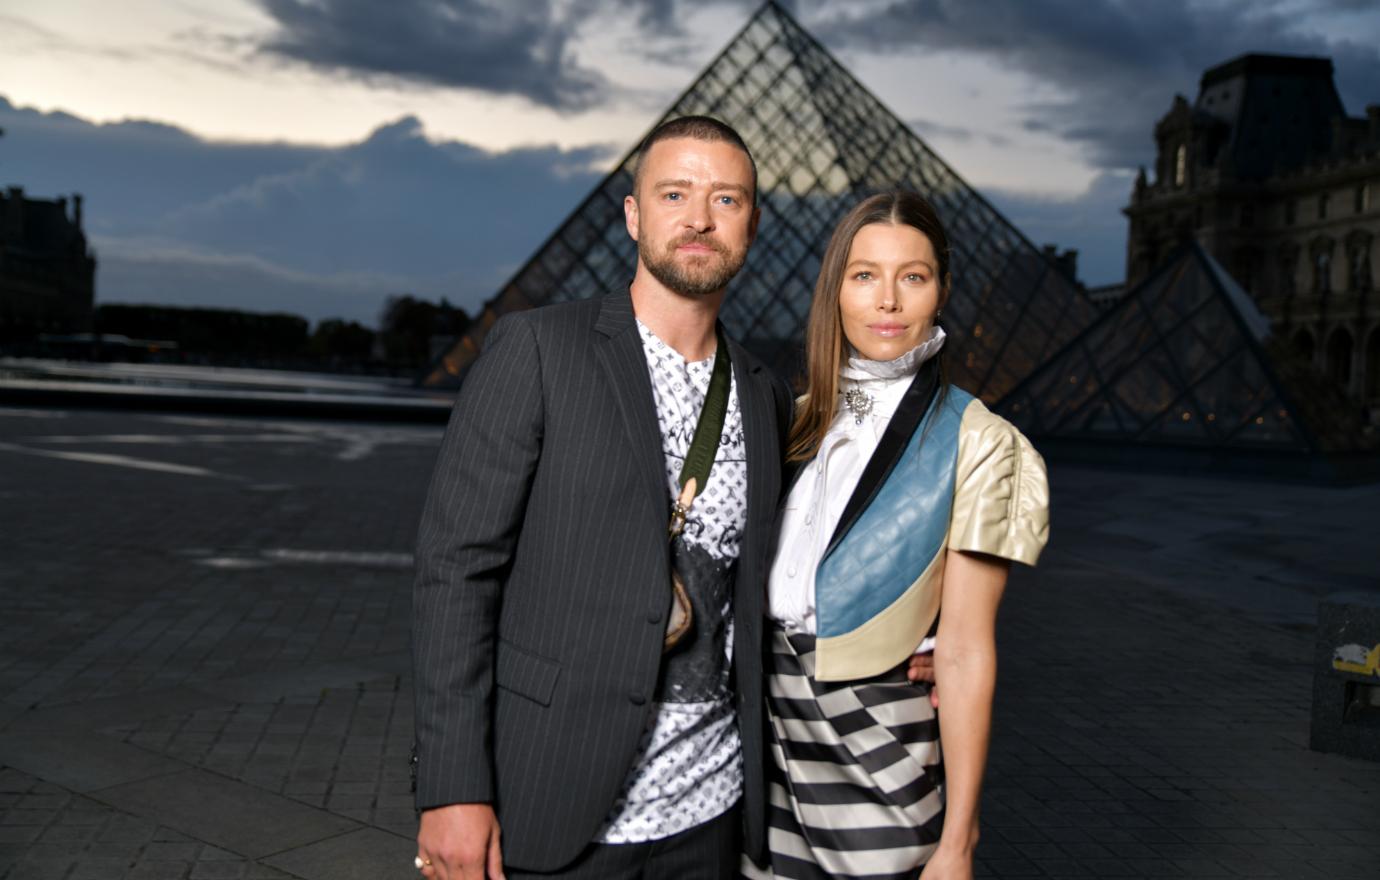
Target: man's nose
column 699, row 217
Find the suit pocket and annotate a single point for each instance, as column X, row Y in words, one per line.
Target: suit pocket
column 525, row 673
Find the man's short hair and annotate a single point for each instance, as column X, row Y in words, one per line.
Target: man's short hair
column 699, row 128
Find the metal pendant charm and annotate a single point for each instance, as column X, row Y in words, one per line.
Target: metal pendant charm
column 859, row 403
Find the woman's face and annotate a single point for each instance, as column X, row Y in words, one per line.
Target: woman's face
column 890, row 291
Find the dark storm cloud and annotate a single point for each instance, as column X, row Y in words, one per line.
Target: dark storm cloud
column 490, row 45
column 1089, row 222
column 321, row 231
column 1119, row 63
column 133, row 173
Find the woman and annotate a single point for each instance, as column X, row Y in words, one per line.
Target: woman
column 910, row 496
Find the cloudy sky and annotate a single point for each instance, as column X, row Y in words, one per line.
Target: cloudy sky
column 315, row 156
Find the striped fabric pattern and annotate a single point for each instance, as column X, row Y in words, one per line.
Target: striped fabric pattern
column 856, row 779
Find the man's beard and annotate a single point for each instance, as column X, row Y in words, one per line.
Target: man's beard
column 698, row 277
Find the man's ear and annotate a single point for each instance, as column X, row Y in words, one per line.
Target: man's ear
column 630, row 216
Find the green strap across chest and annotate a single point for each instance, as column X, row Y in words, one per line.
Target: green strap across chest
column 699, row 460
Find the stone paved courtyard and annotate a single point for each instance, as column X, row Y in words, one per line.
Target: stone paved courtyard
column 204, row 671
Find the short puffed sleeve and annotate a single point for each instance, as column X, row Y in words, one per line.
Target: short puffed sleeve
column 1001, row 493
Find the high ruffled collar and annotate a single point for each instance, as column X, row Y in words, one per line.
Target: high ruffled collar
column 860, row 369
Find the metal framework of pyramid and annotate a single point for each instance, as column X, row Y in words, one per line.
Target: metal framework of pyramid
column 1186, row 360
column 822, row 142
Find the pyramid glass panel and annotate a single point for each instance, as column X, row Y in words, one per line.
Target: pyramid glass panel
column 822, row 142
column 1186, row 360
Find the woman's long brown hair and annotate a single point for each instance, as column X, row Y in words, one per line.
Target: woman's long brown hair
column 825, row 345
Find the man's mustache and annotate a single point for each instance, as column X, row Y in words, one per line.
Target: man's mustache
column 699, row 239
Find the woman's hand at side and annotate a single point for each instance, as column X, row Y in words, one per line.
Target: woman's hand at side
column 965, row 667
column 948, row 865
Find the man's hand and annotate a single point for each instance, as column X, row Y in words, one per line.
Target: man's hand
column 461, row 842
column 922, row 669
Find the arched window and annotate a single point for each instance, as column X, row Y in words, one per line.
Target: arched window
column 1181, row 165
column 1339, row 357
column 1322, row 266
column 1373, row 364
column 1358, row 261
column 1303, row 344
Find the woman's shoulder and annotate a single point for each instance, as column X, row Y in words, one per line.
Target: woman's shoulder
column 975, row 414
column 1001, row 501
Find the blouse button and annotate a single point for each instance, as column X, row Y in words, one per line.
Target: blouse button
column 790, row 572
column 809, row 519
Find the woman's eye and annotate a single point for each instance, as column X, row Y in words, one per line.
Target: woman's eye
column 915, row 278
column 863, row 276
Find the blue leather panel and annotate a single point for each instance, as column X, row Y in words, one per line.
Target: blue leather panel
column 901, row 530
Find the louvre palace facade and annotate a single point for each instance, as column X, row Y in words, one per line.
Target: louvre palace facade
column 1269, row 174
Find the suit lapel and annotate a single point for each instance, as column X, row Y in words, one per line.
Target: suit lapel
column 910, row 412
column 621, row 355
column 763, row 473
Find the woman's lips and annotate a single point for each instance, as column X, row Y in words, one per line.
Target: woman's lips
column 887, row 329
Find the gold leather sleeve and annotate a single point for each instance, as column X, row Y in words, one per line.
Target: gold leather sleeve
column 1001, row 492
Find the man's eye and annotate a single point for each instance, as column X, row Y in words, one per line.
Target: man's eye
column 673, row 197
column 728, row 200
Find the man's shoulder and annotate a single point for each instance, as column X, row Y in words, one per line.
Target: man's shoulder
column 555, row 321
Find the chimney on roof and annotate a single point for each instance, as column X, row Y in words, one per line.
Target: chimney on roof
column 1066, row 263
column 76, row 210
column 1373, row 116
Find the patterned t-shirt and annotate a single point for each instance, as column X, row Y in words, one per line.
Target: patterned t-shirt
column 689, row 762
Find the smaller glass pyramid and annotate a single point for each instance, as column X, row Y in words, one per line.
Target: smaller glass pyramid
column 1185, row 359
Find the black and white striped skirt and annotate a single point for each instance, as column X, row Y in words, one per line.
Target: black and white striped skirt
column 856, row 780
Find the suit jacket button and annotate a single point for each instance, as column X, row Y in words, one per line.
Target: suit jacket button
column 637, row 698
column 654, row 617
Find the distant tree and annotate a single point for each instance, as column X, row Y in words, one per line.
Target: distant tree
column 408, row 324
column 337, row 339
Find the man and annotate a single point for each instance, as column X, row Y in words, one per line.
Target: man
column 556, row 735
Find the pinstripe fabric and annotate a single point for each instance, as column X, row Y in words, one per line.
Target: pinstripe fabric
column 856, row 782
column 541, row 588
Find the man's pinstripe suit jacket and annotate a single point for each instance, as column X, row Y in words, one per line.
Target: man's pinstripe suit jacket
column 542, row 584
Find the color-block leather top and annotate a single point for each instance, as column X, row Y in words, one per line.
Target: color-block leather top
column 966, row 480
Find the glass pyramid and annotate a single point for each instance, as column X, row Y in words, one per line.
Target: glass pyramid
column 822, row 142
column 1185, row 359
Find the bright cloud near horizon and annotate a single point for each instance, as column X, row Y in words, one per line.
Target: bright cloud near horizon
column 316, row 156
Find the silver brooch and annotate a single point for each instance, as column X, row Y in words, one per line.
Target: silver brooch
column 859, row 403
